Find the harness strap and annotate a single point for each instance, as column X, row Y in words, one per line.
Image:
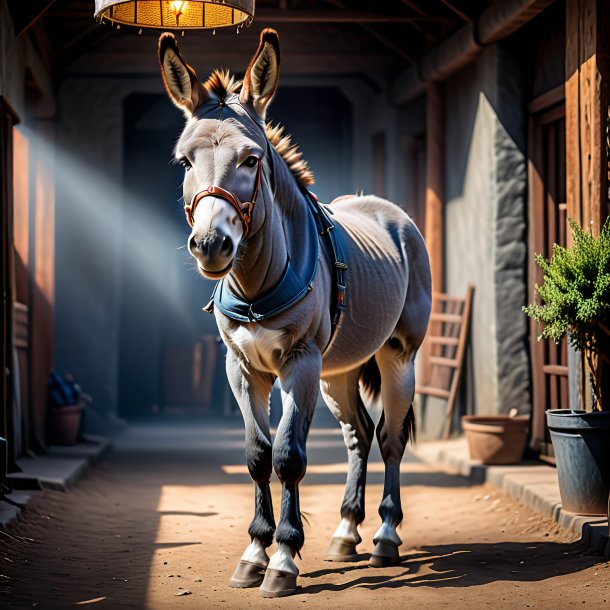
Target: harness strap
column 327, row 228
column 293, row 286
column 244, row 210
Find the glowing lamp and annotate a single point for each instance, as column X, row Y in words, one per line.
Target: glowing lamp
column 175, row 14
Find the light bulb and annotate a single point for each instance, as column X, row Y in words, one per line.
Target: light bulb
column 177, row 6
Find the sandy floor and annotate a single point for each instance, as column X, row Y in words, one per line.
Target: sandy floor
column 169, row 509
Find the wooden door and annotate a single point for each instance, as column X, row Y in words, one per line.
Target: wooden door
column 415, row 182
column 547, row 226
column 7, row 119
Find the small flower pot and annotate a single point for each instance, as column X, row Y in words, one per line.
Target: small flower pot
column 581, row 442
column 64, row 423
column 496, row 439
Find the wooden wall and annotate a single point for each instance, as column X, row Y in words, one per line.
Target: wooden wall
column 586, row 111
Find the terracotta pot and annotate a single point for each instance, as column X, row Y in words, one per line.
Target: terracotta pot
column 496, row 439
column 64, row 423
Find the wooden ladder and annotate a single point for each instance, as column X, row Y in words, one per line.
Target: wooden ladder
column 444, row 349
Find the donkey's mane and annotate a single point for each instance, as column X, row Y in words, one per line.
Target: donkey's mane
column 222, row 84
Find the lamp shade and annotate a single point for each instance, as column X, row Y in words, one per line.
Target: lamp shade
column 175, row 14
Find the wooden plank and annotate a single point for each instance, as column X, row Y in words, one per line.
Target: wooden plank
column 461, row 351
column 8, row 118
column 586, row 113
column 434, row 184
column 536, row 238
column 265, row 15
column 547, row 99
column 432, row 391
column 26, row 14
column 21, row 215
column 43, row 289
column 553, row 115
column 555, row 369
column 442, row 361
column 441, row 340
column 572, row 91
column 445, row 317
column 447, row 298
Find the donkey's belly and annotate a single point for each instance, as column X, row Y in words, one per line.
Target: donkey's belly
column 377, row 280
column 374, row 306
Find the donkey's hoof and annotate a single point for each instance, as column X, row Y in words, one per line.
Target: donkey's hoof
column 340, row 550
column 278, row 583
column 384, row 555
column 247, row 575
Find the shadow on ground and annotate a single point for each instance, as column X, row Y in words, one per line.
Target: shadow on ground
column 463, row 565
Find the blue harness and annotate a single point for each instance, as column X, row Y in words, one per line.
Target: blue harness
column 298, row 276
column 297, row 280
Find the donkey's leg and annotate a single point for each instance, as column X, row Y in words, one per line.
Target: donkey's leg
column 395, row 428
column 299, row 379
column 252, row 392
column 342, row 396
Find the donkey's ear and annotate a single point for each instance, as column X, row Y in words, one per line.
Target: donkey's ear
column 262, row 75
column 179, row 78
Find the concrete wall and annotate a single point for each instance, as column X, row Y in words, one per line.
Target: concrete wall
column 485, row 192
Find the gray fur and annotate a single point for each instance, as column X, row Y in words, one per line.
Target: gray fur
column 388, row 306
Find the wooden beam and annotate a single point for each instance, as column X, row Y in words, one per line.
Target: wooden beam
column 434, row 184
column 26, row 14
column 454, row 9
column 342, row 16
column 586, row 113
column 375, row 34
column 388, row 44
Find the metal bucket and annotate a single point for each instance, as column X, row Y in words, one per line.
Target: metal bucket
column 581, row 441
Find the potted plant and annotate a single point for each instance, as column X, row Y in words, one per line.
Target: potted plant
column 575, row 301
column 66, row 406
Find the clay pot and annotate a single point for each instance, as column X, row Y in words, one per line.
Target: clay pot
column 496, row 439
column 64, row 423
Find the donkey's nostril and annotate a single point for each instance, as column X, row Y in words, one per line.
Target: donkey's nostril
column 227, row 245
column 192, row 245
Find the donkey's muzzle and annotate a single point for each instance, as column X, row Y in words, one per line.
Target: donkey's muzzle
column 213, row 252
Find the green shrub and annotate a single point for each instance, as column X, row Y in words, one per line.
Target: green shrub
column 575, row 297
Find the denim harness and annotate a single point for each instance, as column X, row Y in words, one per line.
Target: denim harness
column 298, row 276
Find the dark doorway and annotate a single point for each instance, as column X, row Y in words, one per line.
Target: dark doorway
column 547, row 226
column 164, row 334
column 320, row 122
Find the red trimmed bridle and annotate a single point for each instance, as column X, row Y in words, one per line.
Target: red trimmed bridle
column 244, row 210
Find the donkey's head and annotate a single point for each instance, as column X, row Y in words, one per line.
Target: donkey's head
column 223, row 149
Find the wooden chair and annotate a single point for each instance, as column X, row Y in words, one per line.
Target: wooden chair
column 444, row 349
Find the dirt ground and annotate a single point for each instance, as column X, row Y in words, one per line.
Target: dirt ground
column 168, row 510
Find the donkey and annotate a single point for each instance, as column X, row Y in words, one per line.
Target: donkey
column 308, row 294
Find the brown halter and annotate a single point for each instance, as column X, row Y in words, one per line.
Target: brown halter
column 244, row 210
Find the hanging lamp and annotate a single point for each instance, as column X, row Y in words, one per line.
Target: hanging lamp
column 175, row 14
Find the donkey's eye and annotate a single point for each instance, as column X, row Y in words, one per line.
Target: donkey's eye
column 251, row 161
column 185, row 163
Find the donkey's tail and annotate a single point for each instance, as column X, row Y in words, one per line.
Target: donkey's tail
column 370, row 381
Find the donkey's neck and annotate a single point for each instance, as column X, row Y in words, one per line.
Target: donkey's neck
column 266, row 254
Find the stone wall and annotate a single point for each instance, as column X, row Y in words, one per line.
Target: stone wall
column 485, row 230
